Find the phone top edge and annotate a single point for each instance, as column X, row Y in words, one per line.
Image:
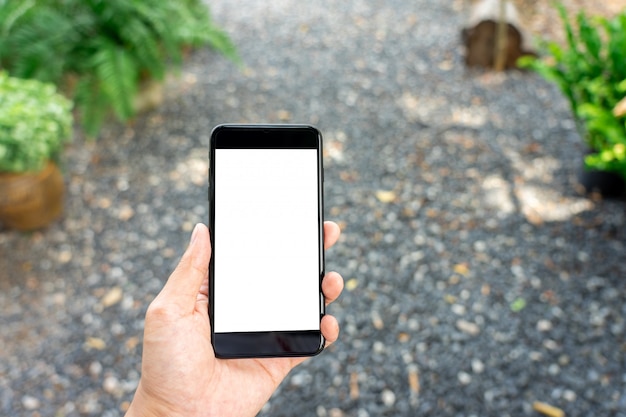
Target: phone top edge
column 262, row 136
column 265, row 125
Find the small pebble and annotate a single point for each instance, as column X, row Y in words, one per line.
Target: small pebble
column 335, row 412
column 544, row 325
column 478, row 366
column 569, row 395
column 459, row 309
column 95, row 368
column 388, row 397
column 464, row 378
column 30, row 403
column 111, row 384
column 468, row 327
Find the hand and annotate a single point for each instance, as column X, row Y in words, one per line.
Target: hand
column 180, row 375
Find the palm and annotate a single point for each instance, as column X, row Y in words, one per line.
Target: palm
column 180, row 374
column 248, row 383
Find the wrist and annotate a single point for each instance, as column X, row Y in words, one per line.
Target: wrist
column 143, row 405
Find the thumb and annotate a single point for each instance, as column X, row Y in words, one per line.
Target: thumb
column 182, row 287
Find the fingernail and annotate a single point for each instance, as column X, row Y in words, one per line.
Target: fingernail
column 194, row 234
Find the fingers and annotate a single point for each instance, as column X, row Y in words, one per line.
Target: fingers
column 332, row 285
column 331, row 234
column 183, row 286
column 330, row 329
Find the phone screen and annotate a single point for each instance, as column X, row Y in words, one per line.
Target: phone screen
column 266, row 226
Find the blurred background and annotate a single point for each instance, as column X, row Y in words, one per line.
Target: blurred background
column 482, row 204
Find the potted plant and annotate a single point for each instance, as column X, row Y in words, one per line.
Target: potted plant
column 590, row 70
column 35, row 122
column 102, row 51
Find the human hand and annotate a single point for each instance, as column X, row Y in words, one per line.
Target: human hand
column 180, row 375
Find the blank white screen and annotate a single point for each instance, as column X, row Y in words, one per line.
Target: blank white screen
column 266, row 262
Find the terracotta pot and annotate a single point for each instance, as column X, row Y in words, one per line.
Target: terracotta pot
column 31, row 200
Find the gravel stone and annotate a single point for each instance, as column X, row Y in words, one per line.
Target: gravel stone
column 464, row 378
column 388, row 398
column 30, row 403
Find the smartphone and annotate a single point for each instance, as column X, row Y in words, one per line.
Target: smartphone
column 266, row 222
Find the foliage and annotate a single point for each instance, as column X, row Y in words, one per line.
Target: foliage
column 35, row 122
column 100, row 50
column 591, row 72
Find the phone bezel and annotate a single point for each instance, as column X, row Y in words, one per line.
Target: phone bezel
column 271, row 343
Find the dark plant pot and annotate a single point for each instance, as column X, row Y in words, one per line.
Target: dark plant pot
column 31, row 200
column 607, row 184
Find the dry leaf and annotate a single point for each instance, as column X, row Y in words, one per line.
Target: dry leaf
column 65, row 256
column 377, row 321
column 449, row 298
column 132, row 342
column 125, row 213
column 485, row 289
column 104, row 203
column 114, row 296
column 283, row 115
column 547, row 409
column 95, row 343
column 385, row 196
column 403, row 337
column 351, row 284
column 414, row 381
column 354, row 385
column 461, row 269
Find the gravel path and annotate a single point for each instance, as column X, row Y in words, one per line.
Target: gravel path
column 477, row 280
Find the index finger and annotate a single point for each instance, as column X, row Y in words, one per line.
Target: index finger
column 331, row 234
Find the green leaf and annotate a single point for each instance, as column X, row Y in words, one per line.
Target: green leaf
column 569, row 32
column 616, row 32
column 518, row 305
column 117, row 76
column 109, row 46
column 590, row 38
column 35, row 122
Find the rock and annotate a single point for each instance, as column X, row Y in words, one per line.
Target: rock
column 111, row 384
column 544, row 325
column 95, row 368
column 477, row 366
column 468, row 327
column 464, row 378
column 30, row 403
column 388, row 397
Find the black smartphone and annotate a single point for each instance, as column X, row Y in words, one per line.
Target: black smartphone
column 266, row 221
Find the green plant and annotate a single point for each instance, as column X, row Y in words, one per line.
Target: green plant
column 590, row 70
column 103, row 49
column 35, row 122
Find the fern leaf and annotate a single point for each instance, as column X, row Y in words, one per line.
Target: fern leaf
column 117, row 75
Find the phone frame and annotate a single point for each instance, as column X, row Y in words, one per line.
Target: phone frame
column 267, row 343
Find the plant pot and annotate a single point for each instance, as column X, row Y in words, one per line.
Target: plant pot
column 605, row 183
column 31, row 200
column 151, row 95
